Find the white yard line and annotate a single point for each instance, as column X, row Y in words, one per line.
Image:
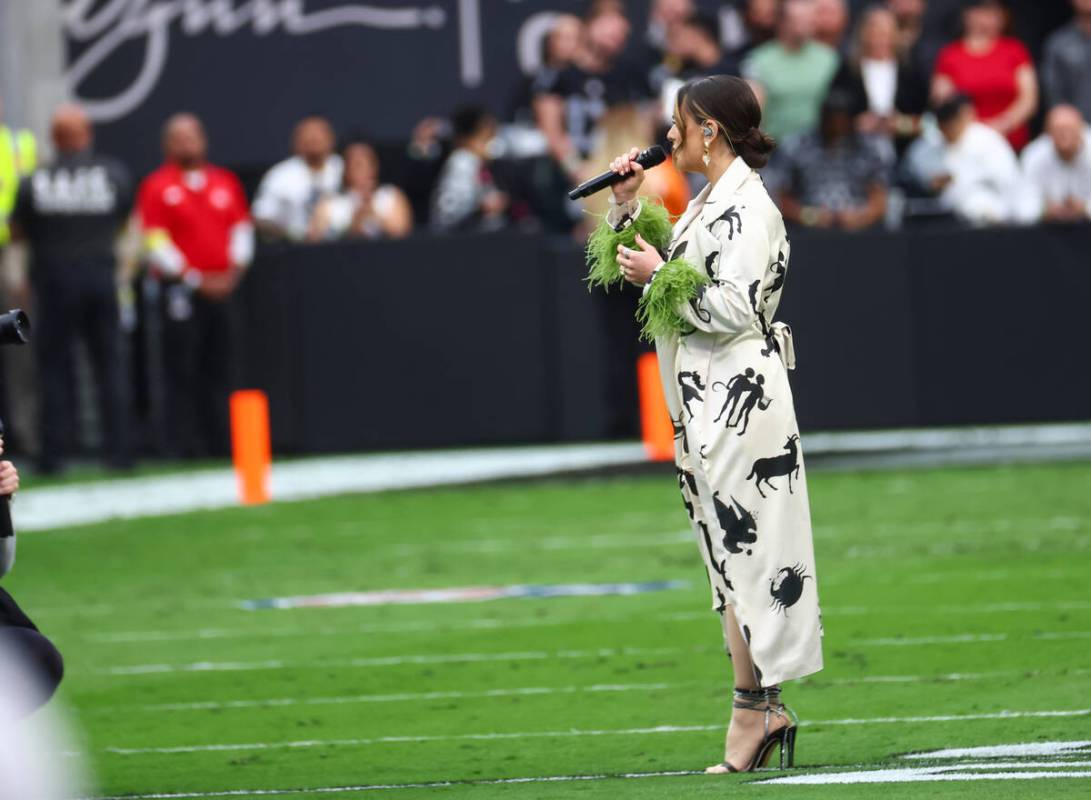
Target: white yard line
column 659, row 729
column 536, row 655
column 200, row 634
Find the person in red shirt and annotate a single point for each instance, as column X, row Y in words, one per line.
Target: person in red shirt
column 198, row 240
column 995, row 71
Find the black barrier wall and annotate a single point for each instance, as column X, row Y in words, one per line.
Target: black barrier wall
column 439, row 341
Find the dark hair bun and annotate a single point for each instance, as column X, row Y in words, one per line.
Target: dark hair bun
column 731, row 102
column 755, row 148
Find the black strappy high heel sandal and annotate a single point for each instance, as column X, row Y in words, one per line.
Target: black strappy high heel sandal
column 767, row 700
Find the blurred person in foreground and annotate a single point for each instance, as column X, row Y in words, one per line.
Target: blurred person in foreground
column 19, row 636
column 1057, row 168
column 291, row 190
column 836, row 177
column 569, row 103
column 466, row 197
column 198, row 240
column 71, row 212
column 364, row 208
column 792, row 72
column 889, row 94
column 1066, row 65
column 994, row 70
column 711, row 287
column 967, row 165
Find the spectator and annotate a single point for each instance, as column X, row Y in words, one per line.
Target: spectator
column 792, row 72
column 199, row 240
column 995, row 71
column 364, row 208
column 915, row 47
column 18, row 153
column 664, row 15
column 70, row 212
column 568, row 104
column 831, row 21
column 836, row 177
column 693, row 50
column 291, row 190
column 1066, row 67
column 1057, row 167
column 889, row 95
column 747, row 25
column 466, row 197
column 969, row 165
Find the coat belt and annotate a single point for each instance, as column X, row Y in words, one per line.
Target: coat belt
column 780, row 333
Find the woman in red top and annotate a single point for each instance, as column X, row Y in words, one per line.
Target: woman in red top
column 995, row 71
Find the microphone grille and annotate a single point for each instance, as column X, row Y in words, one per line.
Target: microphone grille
column 652, row 156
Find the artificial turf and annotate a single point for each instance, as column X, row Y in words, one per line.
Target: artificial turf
column 956, row 592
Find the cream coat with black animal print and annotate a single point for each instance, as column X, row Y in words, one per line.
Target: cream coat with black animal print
column 740, row 466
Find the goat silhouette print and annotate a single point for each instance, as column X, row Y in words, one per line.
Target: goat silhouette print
column 690, row 391
column 736, row 406
column 777, row 466
column 787, row 587
column 738, row 524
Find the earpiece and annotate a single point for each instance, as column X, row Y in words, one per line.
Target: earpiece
column 707, row 129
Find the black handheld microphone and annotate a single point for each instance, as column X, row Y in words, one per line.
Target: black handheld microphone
column 648, row 158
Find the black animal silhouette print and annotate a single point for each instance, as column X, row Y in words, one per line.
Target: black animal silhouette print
column 786, row 587
column 779, row 270
column 699, row 310
column 719, row 566
column 734, row 388
column 691, row 391
column 679, row 250
column 738, row 524
column 735, row 407
column 777, row 466
column 733, row 220
column 721, row 601
column 680, row 433
column 710, row 259
column 755, row 398
column 686, row 480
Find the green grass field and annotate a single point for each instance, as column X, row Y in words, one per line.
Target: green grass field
column 950, row 593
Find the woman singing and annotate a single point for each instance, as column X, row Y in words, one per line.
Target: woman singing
column 711, row 289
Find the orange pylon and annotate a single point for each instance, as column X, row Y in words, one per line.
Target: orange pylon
column 655, row 420
column 250, row 446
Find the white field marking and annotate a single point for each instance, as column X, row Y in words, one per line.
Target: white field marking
column 219, row 705
column 411, row 696
column 392, row 661
column 664, row 729
column 969, row 638
column 535, row 655
column 1006, row 750
column 916, row 775
column 141, row 637
column 212, row 705
column 371, row 787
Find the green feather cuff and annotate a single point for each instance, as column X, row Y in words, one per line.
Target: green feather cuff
column 676, row 283
column 652, row 223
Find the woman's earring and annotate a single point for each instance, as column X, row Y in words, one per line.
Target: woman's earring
column 706, row 157
column 707, row 131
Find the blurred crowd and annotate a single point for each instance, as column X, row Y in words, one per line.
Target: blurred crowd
column 879, row 121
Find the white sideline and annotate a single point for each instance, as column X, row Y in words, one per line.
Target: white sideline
column 665, row 729
column 82, row 504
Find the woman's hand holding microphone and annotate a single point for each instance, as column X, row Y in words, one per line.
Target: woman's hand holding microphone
column 637, row 266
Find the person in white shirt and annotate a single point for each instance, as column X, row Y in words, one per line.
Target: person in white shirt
column 970, row 166
column 292, row 189
column 364, row 208
column 1057, row 168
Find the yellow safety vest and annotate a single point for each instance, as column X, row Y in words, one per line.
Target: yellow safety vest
column 18, row 154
